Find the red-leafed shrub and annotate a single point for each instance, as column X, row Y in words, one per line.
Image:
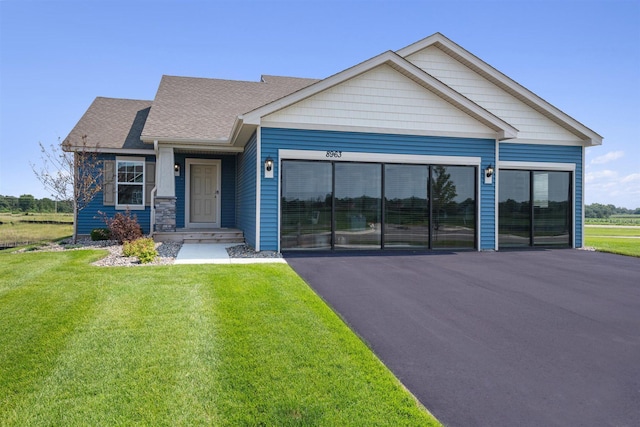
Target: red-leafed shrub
column 123, row 227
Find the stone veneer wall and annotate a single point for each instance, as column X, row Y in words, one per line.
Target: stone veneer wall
column 165, row 214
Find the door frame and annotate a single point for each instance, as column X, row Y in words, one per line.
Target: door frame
column 187, row 193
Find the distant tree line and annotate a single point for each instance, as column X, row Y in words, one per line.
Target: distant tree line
column 597, row 210
column 27, row 203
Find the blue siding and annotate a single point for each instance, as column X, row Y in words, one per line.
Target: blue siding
column 246, row 192
column 227, row 188
column 274, row 139
column 90, row 217
column 552, row 154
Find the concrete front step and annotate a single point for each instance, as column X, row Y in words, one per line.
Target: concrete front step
column 222, row 235
column 216, row 240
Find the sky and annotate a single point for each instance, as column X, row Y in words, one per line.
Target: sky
column 57, row 56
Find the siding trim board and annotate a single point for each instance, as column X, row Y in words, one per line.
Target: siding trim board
column 364, row 157
column 373, row 129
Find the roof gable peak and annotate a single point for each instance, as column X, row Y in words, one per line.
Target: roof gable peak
column 504, row 82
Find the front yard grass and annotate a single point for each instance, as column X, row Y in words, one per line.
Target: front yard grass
column 182, row 345
column 619, row 240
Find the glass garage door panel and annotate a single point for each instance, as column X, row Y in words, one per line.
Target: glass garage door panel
column 358, row 195
column 514, row 209
column 551, row 208
column 406, row 213
column 453, row 190
column 306, row 205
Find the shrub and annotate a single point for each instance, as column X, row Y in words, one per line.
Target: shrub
column 123, row 227
column 144, row 249
column 100, row 234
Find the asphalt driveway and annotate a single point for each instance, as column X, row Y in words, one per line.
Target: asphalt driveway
column 527, row 338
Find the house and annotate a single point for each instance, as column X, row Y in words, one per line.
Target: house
column 424, row 147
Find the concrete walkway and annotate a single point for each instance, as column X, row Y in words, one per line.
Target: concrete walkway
column 216, row 253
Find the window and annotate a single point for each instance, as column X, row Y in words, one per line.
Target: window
column 130, row 183
column 534, row 208
column 351, row 205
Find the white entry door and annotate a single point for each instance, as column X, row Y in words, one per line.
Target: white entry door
column 203, row 193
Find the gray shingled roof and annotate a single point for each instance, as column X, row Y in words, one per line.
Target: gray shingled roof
column 200, row 109
column 112, row 123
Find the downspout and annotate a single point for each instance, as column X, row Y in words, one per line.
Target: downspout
column 153, row 191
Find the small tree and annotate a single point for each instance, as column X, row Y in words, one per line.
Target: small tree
column 70, row 172
column 443, row 192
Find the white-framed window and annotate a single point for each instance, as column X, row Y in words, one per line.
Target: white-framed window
column 130, row 183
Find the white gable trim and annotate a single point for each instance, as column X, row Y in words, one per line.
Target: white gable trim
column 505, row 83
column 503, row 130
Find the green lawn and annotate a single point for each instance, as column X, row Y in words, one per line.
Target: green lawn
column 182, row 345
column 622, row 240
column 18, row 228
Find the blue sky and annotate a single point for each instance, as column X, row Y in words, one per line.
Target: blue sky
column 57, row 56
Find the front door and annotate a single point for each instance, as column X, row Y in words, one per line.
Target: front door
column 203, row 208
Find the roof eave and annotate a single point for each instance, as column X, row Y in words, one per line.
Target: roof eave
column 198, row 141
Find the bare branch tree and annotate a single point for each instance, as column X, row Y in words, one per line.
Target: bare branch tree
column 70, row 173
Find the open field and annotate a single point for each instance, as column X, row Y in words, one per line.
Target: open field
column 623, row 240
column 17, row 229
column 182, row 345
column 632, row 220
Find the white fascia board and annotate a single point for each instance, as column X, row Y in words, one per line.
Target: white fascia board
column 125, row 151
column 421, row 44
column 591, row 137
column 150, row 139
column 503, row 129
column 208, row 148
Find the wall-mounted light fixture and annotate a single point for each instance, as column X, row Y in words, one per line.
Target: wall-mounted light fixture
column 489, row 170
column 176, row 169
column 488, row 174
column 268, row 168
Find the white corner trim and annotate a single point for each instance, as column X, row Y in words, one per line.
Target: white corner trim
column 496, row 193
column 582, row 189
column 479, row 180
column 258, row 183
column 279, row 198
column 350, row 156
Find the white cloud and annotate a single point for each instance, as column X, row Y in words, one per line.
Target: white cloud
column 606, row 174
column 607, row 186
column 634, row 177
column 606, row 158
